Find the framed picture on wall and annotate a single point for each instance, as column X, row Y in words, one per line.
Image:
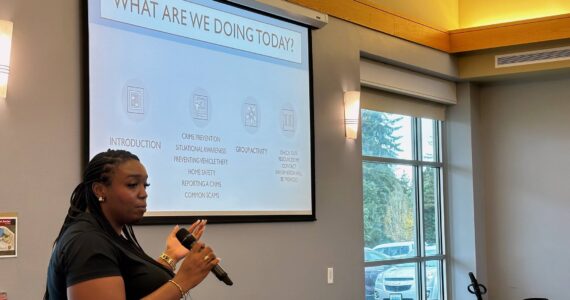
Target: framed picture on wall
column 8, row 235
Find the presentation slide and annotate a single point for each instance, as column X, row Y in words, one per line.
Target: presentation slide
column 214, row 99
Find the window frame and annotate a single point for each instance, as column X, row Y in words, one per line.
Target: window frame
column 418, row 164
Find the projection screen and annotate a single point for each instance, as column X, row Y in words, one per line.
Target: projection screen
column 214, row 99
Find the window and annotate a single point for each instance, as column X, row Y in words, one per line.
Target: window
column 402, row 184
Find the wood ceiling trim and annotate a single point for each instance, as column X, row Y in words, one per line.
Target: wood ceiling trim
column 510, row 34
column 372, row 17
column 361, row 12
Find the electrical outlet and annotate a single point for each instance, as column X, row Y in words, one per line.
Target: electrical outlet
column 330, row 275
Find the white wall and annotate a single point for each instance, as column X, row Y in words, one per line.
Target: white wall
column 525, row 135
column 464, row 236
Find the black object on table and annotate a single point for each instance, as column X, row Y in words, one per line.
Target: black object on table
column 476, row 288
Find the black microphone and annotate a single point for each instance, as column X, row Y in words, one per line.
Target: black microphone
column 187, row 240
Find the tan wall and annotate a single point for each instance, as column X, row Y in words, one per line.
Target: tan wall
column 484, row 12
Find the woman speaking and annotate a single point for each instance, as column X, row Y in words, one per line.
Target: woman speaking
column 96, row 254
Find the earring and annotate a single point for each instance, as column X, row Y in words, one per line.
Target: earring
column 101, row 199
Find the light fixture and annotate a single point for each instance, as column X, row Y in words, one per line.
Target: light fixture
column 5, row 46
column 351, row 113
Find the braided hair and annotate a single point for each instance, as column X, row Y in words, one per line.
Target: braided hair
column 83, row 199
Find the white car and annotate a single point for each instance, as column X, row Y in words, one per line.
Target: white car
column 397, row 250
column 399, row 283
column 371, row 273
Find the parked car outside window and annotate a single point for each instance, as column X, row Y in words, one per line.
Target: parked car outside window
column 399, row 283
column 397, row 250
column 371, row 273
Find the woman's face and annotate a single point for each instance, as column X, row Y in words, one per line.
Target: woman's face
column 125, row 198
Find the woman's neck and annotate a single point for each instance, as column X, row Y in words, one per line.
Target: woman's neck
column 118, row 228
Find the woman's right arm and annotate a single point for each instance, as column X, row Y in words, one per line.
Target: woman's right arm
column 196, row 266
column 112, row 288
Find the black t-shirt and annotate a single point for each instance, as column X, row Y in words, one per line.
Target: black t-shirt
column 86, row 252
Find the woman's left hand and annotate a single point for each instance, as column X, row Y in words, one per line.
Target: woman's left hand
column 173, row 247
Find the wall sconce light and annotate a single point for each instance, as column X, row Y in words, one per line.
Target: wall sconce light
column 5, row 46
column 351, row 113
